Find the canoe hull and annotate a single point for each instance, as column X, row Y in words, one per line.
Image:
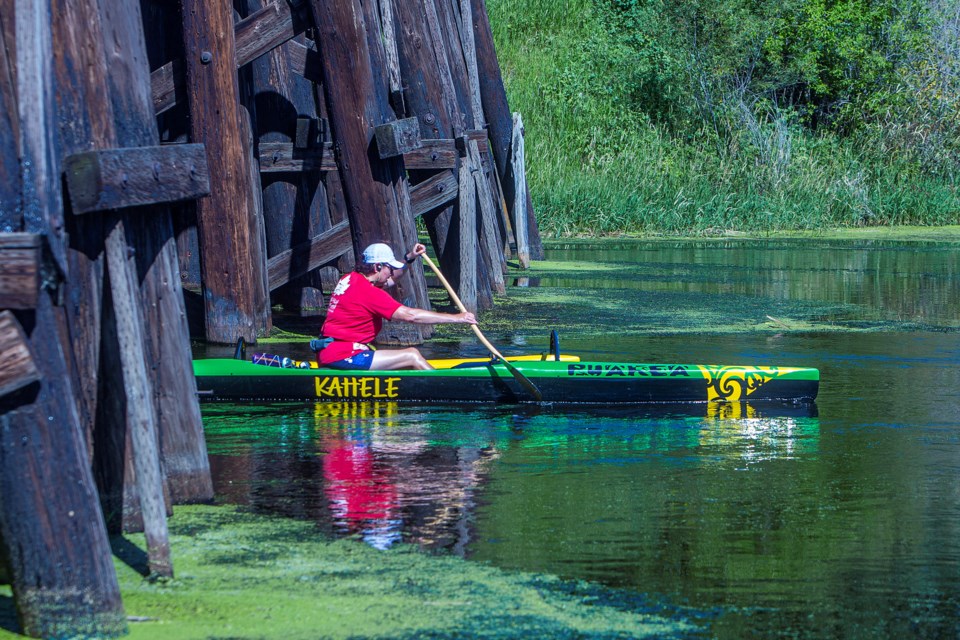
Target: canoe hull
column 559, row 382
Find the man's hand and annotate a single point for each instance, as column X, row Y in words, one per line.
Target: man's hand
column 418, row 250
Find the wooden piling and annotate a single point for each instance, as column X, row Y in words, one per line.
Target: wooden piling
column 55, row 543
column 434, row 99
column 500, row 120
column 489, row 229
column 140, row 409
column 153, row 274
column 517, row 162
column 467, row 238
column 62, row 572
column 235, row 294
column 295, row 208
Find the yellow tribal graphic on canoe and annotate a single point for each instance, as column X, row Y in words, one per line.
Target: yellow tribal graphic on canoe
column 732, row 384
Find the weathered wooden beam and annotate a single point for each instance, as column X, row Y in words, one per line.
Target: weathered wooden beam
column 520, row 219
column 256, row 35
column 398, row 137
column 11, row 198
column 151, row 238
column 392, row 57
column 306, row 133
column 499, row 118
column 304, row 60
column 434, row 154
column 236, row 297
column 268, row 28
column 166, row 86
column 17, row 368
column 467, row 237
column 426, row 99
column 295, row 203
column 468, row 42
column 443, row 69
column 490, row 243
column 55, row 543
column 434, row 192
column 19, row 270
column 141, row 413
column 278, row 157
column 306, row 257
column 133, row 177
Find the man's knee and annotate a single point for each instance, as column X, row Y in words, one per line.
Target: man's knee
column 416, row 359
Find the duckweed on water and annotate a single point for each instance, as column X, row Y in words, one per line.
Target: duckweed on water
column 240, row 575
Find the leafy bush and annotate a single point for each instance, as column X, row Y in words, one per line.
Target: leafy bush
column 683, row 116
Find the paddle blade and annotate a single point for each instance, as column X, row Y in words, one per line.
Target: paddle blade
column 524, row 381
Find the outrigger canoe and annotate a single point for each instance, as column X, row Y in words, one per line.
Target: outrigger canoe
column 560, row 379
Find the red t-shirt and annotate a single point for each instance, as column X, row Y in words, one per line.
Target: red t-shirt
column 356, row 313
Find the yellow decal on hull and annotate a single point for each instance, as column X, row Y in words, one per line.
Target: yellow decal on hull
column 371, row 388
column 732, row 384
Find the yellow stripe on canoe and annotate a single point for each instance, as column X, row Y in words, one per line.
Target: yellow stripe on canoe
column 449, row 363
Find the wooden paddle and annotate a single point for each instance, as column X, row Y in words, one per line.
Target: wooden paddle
column 524, row 381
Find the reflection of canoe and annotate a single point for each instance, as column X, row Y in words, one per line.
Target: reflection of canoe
column 565, row 381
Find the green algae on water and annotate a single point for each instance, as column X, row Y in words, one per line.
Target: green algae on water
column 240, row 575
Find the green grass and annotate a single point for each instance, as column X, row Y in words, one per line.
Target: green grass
column 598, row 165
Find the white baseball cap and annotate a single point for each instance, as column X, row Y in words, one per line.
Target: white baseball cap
column 380, row 253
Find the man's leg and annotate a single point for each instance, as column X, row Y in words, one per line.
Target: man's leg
column 389, row 359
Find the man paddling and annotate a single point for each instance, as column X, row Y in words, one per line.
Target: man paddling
column 359, row 306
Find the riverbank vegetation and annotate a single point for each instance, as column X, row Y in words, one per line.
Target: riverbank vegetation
column 678, row 117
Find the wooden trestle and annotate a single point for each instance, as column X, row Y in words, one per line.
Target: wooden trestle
column 241, row 154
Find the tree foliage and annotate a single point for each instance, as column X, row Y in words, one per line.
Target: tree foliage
column 693, row 114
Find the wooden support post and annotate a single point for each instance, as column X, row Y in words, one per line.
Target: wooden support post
column 141, row 415
column 467, row 234
column 392, row 57
column 52, row 536
column 489, row 228
column 351, row 50
column 11, row 198
column 283, row 110
column 520, row 181
column 53, row 542
column 468, row 42
column 430, row 100
column 166, row 347
column 493, row 96
column 235, row 294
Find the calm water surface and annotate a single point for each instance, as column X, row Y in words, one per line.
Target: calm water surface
column 840, row 520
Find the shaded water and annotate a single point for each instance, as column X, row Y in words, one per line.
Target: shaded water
column 837, row 520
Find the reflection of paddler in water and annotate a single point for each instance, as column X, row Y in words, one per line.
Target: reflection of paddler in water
column 380, row 477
